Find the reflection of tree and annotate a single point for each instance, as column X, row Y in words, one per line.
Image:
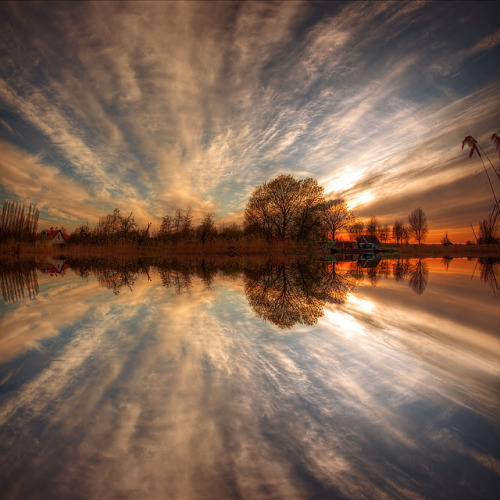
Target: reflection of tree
column 19, row 281
column 286, row 295
column 400, row 269
column 419, row 276
column 179, row 279
column 489, row 269
column 446, row 260
column 116, row 279
column 338, row 284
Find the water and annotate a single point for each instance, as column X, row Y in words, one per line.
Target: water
column 279, row 380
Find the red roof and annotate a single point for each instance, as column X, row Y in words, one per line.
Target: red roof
column 50, row 234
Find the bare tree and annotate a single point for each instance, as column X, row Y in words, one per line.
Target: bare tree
column 398, row 230
column 283, row 207
column 336, row 216
column 15, row 223
column 383, row 233
column 356, row 229
column 373, row 226
column 419, row 227
column 206, row 230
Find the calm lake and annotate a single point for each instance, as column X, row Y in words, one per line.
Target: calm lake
column 367, row 379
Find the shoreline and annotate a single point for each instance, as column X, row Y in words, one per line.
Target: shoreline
column 228, row 250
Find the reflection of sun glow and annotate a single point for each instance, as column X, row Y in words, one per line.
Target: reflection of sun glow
column 343, row 323
column 362, row 304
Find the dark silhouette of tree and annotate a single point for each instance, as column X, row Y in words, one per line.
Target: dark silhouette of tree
column 18, row 222
column 166, row 228
column 383, row 233
column 418, row 226
column 115, row 225
column 356, row 229
column 419, row 276
column 445, row 240
column 283, row 208
column 336, row 216
column 206, row 230
column 373, row 226
column 398, row 230
column 307, row 221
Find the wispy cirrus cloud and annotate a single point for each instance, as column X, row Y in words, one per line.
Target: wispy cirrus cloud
column 179, row 104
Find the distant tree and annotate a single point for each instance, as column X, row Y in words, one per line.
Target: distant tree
column 445, row 240
column 356, row 229
column 17, row 222
column 383, row 233
column 115, row 224
column 418, row 226
column 165, row 230
column 206, row 230
column 398, row 230
column 283, row 207
column 373, row 226
column 231, row 232
column 406, row 235
column 336, row 216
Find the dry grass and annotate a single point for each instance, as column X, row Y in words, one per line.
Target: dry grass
column 449, row 250
column 128, row 250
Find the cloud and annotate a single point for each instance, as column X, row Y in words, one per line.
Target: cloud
column 189, row 105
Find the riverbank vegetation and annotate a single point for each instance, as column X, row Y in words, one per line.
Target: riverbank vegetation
column 284, row 216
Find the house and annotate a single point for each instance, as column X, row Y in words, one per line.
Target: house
column 54, row 236
column 369, row 241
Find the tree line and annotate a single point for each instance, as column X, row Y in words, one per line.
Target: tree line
column 282, row 209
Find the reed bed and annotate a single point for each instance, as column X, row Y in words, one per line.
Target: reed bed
column 455, row 250
column 127, row 249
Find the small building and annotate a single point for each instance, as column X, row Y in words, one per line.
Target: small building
column 53, row 236
column 370, row 241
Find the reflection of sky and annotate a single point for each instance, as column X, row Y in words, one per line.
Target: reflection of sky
column 151, row 394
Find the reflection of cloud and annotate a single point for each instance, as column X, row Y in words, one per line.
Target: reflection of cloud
column 156, row 394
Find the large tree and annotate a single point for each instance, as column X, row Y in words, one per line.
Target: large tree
column 419, row 227
column 284, row 207
column 336, row 216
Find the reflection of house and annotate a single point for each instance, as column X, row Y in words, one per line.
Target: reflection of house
column 53, row 236
column 369, row 240
column 346, row 245
column 54, row 268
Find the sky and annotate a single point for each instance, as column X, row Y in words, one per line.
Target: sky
column 153, row 106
